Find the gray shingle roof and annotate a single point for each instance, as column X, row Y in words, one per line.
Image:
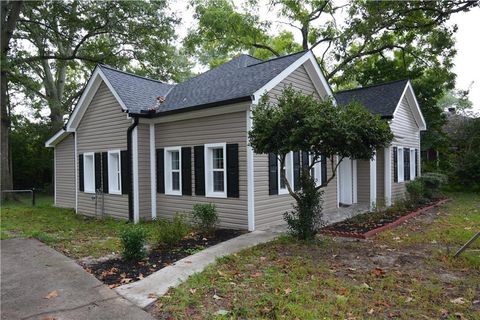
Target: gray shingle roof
column 236, row 79
column 379, row 99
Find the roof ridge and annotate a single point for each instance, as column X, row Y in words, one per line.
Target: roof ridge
column 373, row 85
column 277, row 58
column 133, row 74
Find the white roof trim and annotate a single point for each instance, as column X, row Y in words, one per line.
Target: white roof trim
column 313, row 70
column 57, row 137
column 93, row 83
column 414, row 106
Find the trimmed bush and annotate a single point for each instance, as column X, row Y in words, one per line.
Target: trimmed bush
column 205, row 217
column 133, row 239
column 169, row 233
column 416, row 191
column 433, row 182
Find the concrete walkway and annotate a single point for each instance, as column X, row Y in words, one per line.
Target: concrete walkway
column 145, row 292
column 32, row 271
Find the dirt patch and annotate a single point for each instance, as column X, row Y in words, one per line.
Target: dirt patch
column 117, row 271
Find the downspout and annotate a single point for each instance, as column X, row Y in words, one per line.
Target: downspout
column 130, row 166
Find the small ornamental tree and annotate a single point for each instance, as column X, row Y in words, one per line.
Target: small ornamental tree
column 298, row 122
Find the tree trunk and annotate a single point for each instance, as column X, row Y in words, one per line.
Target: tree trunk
column 10, row 11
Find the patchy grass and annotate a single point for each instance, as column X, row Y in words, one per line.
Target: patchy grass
column 75, row 235
column 404, row 274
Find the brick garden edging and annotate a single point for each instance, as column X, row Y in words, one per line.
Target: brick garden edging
column 390, row 225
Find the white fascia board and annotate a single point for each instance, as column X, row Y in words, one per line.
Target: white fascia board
column 92, row 86
column 316, row 72
column 57, row 137
column 417, row 112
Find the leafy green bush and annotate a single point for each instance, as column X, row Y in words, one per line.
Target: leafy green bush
column 133, row 239
column 433, row 182
column 205, row 217
column 171, row 232
column 305, row 219
column 416, row 191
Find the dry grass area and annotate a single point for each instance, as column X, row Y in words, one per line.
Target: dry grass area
column 406, row 273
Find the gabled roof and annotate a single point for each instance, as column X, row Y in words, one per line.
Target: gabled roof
column 384, row 99
column 379, row 99
column 136, row 92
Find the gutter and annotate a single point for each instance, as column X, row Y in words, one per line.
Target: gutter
column 130, row 165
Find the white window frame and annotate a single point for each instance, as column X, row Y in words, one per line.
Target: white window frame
column 412, row 164
column 209, row 170
column 168, row 171
column 86, row 187
column 317, row 170
column 400, row 165
column 288, row 173
column 112, row 176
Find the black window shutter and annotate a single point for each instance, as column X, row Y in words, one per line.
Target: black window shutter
column 81, row 184
column 395, row 164
column 105, row 171
column 272, row 174
column 406, row 164
column 186, row 171
column 160, row 171
column 324, row 169
column 98, row 171
column 296, row 170
column 125, row 172
column 416, row 162
column 232, row 171
column 199, row 158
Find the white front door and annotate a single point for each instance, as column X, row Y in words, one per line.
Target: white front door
column 345, row 171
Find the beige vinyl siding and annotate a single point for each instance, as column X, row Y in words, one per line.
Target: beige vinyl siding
column 65, row 173
column 224, row 128
column 407, row 135
column 143, row 134
column 269, row 209
column 102, row 128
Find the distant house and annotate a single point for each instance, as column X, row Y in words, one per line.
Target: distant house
column 136, row 148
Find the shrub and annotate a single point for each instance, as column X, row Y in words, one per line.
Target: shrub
column 305, row 219
column 133, row 239
column 433, row 182
column 171, row 232
column 205, row 217
column 416, row 191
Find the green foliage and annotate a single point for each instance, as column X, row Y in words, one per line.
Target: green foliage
column 205, row 217
column 169, row 233
column 433, row 182
column 305, row 219
column 133, row 239
column 416, row 191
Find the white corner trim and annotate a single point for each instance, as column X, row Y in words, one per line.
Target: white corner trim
column 373, row 182
column 338, row 181
column 76, row 173
column 136, row 193
column 153, row 170
column 91, row 88
column 388, row 176
column 56, row 138
column 250, row 178
column 416, row 110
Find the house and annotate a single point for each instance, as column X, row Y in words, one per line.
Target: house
column 136, row 148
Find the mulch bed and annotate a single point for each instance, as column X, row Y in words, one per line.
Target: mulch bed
column 368, row 224
column 117, row 271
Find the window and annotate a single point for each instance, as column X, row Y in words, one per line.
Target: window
column 288, row 170
column 317, row 171
column 215, row 170
column 413, row 161
column 400, row 164
column 173, row 173
column 89, row 172
column 114, row 172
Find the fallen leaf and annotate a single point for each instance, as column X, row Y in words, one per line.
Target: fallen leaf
column 377, row 272
column 459, row 300
column 192, row 290
column 52, row 294
column 152, row 295
column 370, row 311
column 365, row 286
column 288, row 291
column 409, row 299
column 256, row 275
column 221, row 274
column 221, row 312
column 140, row 277
column 216, row 297
column 351, row 269
column 125, row 280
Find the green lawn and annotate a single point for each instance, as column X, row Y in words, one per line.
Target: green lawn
column 406, row 273
column 75, row 235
